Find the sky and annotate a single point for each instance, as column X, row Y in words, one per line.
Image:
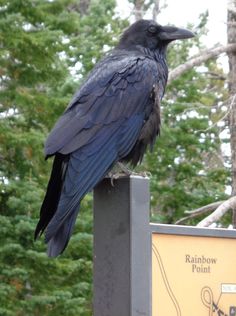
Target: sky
column 191, row 11
column 182, row 12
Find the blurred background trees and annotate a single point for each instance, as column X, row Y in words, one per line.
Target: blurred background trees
column 42, row 43
column 192, row 168
column 47, row 47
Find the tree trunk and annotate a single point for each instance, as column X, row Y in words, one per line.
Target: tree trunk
column 138, row 9
column 231, row 32
column 156, row 9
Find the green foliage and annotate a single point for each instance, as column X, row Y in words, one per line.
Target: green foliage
column 41, row 42
column 31, row 283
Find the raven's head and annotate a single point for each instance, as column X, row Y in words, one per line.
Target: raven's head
column 149, row 34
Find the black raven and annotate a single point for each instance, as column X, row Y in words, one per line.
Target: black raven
column 113, row 117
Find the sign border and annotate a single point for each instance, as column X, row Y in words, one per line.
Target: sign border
column 171, row 229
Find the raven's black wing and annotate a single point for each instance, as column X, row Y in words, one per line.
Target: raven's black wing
column 99, row 127
column 117, row 88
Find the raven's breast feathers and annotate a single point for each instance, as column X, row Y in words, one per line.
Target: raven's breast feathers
column 150, row 129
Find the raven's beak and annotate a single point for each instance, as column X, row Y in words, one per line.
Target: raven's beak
column 171, row 33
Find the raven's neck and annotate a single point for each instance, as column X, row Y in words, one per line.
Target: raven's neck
column 158, row 54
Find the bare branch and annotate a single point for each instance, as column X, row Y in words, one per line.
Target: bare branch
column 156, row 9
column 199, row 211
column 219, row 212
column 138, row 9
column 199, row 59
column 221, row 118
column 230, row 23
column 206, row 208
column 213, row 75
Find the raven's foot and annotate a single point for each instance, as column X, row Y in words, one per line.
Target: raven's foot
column 115, row 175
column 128, row 172
column 144, row 174
column 119, row 171
column 124, row 172
column 124, row 169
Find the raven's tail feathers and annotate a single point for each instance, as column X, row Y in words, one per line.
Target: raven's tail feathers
column 57, row 244
column 51, row 199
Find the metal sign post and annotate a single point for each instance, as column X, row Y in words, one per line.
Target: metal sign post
column 122, row 248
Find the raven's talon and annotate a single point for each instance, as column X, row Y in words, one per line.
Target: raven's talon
column 111, row 176
column 124, row 169
column 145, row 174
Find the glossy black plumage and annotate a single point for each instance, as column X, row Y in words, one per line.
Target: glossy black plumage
column 113, row 117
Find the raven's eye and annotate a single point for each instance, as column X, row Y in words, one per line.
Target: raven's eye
column 152, row 29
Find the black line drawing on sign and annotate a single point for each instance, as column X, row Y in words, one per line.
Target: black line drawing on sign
column 166, row 282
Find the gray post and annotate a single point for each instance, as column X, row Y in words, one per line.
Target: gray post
column 122, row 248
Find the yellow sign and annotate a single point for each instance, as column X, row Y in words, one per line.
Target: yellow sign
column 193, row 275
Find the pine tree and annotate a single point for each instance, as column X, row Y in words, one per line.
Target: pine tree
column 47, row 47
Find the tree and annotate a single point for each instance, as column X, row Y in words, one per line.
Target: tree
column 232, row 91
column 41, row 43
